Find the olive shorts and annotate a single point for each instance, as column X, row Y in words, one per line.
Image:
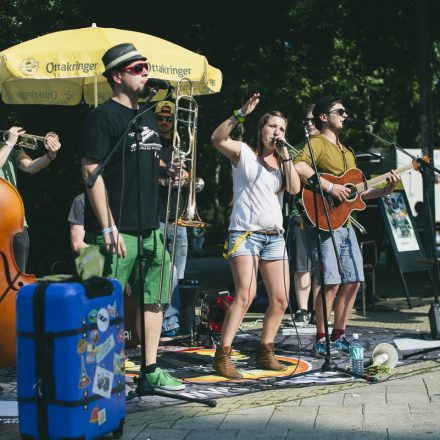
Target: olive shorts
column 127, row 269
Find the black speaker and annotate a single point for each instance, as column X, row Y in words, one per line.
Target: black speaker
column 189, row 291
column 434, row 320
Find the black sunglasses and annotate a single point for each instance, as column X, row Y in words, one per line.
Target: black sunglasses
column 307, row 120
column 165, row 118
column 338, row 111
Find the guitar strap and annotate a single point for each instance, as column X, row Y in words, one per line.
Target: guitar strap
column 365, row 182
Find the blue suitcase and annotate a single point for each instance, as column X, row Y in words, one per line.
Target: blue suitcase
column 70, row 360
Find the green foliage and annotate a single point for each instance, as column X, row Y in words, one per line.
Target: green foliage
column 290, row 51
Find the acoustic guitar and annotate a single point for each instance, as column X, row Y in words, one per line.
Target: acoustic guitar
column 339, row 212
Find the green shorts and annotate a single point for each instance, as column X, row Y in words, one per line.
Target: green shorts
column 127, row 269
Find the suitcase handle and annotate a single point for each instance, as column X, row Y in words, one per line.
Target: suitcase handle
column 98, row 286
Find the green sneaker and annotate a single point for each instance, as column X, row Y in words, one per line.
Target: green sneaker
column 162, row 380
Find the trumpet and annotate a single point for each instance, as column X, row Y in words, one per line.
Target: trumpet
column 29, row 141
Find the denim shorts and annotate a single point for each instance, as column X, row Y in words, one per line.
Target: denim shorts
column 349, row 255
column 265, row 247
column 299, row 254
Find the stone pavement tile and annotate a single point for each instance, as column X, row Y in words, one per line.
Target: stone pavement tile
column 432, row 386
column 331, row 399
column 210, row 434
column 403, row 396
column 309, row 434
column 358, row 399
column 299, row 418
column 340, row 411
column 339, row 421
column 426, row 420
column 130, row 433
column 255, row 410
column 419, row 407
column 289, row 404
column 367, row 388
column 431, row 378
column 387, row 419
column 383, row 408
column 337, row 434
column 416, row 388
column 246, row 422
column 412, row 434
column 409, row 380
column 169, row 434
column 295, row 410
column 10, row 435
column 209, row 422
column 379, row 434
column 265, row 434
column 164, row 424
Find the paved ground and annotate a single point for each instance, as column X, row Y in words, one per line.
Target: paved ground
column 405, row 405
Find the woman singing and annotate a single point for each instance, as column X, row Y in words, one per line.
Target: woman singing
column 256, row 239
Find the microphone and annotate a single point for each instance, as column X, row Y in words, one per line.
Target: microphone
column 361, row 122
column 155, row 83
column 278, row 142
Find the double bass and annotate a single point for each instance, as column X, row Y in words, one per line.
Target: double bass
column 11, row 278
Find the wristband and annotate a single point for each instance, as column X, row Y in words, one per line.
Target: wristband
column 109, row 229
column 9, row 144
column 49, row 157
column 238, row 114
column 286, row 160
column 329, row 189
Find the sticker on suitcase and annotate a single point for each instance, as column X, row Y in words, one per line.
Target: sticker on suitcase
column 103, row 382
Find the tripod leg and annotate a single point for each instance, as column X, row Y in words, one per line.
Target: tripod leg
column 408, row 299
column 431, row 279
column 145, row 390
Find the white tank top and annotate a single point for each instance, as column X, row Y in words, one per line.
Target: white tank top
column 257, row 200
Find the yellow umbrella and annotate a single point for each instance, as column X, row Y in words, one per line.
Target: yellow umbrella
column 63, row 67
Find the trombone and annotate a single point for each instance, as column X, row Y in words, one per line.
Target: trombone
column 184, row 150
column 29, row 141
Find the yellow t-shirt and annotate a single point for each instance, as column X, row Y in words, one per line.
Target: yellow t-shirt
column 330, row 158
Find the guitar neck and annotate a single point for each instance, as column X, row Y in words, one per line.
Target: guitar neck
column 375, row 181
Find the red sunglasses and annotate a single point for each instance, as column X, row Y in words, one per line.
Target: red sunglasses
column 137, row 69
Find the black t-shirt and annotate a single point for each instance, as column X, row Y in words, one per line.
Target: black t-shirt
column 166, row 155
column 76, row 214
column 103, row 127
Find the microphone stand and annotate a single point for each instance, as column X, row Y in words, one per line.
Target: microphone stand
column 142, row 388
column 315, row 181
column 423, row 165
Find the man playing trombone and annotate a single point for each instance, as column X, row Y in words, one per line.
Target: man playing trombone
column 165, row 118
column 10, row 159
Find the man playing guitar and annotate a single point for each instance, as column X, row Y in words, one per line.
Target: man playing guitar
column 334, row 158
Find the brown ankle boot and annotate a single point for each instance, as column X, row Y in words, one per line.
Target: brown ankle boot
column 266, row 360
column 223, row 364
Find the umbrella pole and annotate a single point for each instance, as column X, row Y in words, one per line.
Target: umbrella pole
column 95, row 90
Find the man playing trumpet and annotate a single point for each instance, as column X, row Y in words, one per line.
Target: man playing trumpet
column 10, row 159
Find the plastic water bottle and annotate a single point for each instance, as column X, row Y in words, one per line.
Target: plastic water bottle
column 356, row 356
